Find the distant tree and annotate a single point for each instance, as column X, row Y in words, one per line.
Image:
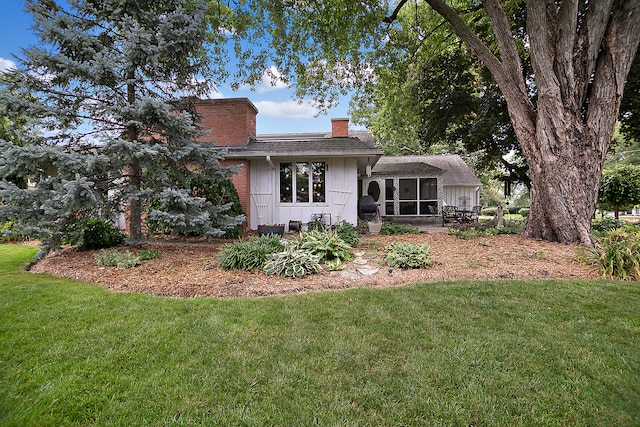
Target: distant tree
column 111, row 82
column 620, row 188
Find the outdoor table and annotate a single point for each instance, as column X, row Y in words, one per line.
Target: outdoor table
column 464, row 216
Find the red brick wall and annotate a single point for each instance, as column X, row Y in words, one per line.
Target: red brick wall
column 231, row 121
column 242, row 182
column 340, row 127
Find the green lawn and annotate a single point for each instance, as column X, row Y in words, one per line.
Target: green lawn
column 498, row 353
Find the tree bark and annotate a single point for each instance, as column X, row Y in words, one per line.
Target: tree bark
column 134, row 172
column 580, row 64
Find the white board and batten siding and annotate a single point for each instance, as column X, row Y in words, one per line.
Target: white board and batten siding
column 341, row 179
column 462, row 197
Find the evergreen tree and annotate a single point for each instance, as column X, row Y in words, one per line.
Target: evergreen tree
column 111, row 82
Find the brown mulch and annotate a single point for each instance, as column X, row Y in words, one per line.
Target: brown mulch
column 189, row 269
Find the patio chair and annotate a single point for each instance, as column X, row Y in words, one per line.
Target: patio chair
column 449, row 214
column 475, row 213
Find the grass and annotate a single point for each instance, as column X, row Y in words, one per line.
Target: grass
column 538, row 353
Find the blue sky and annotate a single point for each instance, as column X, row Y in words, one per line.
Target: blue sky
column 278, row 111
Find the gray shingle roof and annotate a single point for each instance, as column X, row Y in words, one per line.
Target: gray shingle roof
column 308, row 144
column 453, row 169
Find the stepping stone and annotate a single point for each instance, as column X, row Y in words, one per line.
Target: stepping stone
column 367, row 270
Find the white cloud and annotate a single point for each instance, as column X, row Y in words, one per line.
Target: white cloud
column 6, row 64
column 288, row 109
column 270, row 80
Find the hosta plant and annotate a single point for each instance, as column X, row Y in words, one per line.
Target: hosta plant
column 114, row 258
column 249, row 254
column 407, row 255
column 348, row 233
column 328, row 246
column 293, row 263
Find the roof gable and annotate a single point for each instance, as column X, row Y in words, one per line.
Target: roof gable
column 454, row 170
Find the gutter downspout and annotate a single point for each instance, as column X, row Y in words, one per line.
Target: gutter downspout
column 268, row 158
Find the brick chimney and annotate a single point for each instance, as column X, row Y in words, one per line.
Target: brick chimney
column 339, row 128
column 231, row 121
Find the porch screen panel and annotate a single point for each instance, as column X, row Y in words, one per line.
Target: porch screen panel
column 428, row 196
column 408, row 195
column 318, row 177
column 302, row 182
column 286, row 182
column 388, row 195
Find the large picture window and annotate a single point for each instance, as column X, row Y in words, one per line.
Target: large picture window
column 415, row 196
column 302, row 182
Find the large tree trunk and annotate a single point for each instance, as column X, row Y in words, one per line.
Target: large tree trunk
column 581, row 54
column 134, row 173
column 564, row 185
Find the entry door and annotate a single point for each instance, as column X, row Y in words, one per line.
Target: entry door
column 374, row 189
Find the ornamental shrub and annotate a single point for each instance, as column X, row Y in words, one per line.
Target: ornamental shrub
column 328, row 246
column 389, row 229
column 293, row 263
column 98, row 233
column 249, row 254
column 348, row 233
column 315, row 225
column 617, row 255
column 114, row 258
column 408, row 255
column 147, row 254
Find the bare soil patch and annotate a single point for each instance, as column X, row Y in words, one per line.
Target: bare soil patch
column 189, row 269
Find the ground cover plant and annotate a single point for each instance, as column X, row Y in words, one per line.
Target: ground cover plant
column 540, row 352
column 249, row 254
column 398, row 229
column 407, row 255
column 617, row 254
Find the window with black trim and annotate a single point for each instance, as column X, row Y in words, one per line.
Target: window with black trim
column 304, row 180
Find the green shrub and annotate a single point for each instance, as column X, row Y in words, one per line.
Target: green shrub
column 617, row 255
column 348, row 233
column 524, row 212
column 513, row 210
column 606, row 223
column 483, row 229
column 147, row 254
column 408, row 255
column 327, row 246
column 335, row 265
column 114, row 258
column 315, row 225
column 292, row 263
column 515, row 228
column 249, row 254
column 389, row 229
column 490, row 211
column 10, row 233
column 98, row 233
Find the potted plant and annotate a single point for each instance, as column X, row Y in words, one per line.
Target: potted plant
column 264, row 229
column 375, row 225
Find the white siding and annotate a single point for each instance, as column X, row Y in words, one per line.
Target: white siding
column 462, row 197
column 341, row 194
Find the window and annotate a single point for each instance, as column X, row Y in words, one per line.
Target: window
column 305, row 180
column 417, row 196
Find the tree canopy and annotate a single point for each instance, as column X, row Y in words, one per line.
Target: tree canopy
column 620, row 188
column 563, row 109
column 110, row 83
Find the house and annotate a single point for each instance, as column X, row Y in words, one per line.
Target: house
column 306, row 176
column 290, row 177
column 412, row 188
